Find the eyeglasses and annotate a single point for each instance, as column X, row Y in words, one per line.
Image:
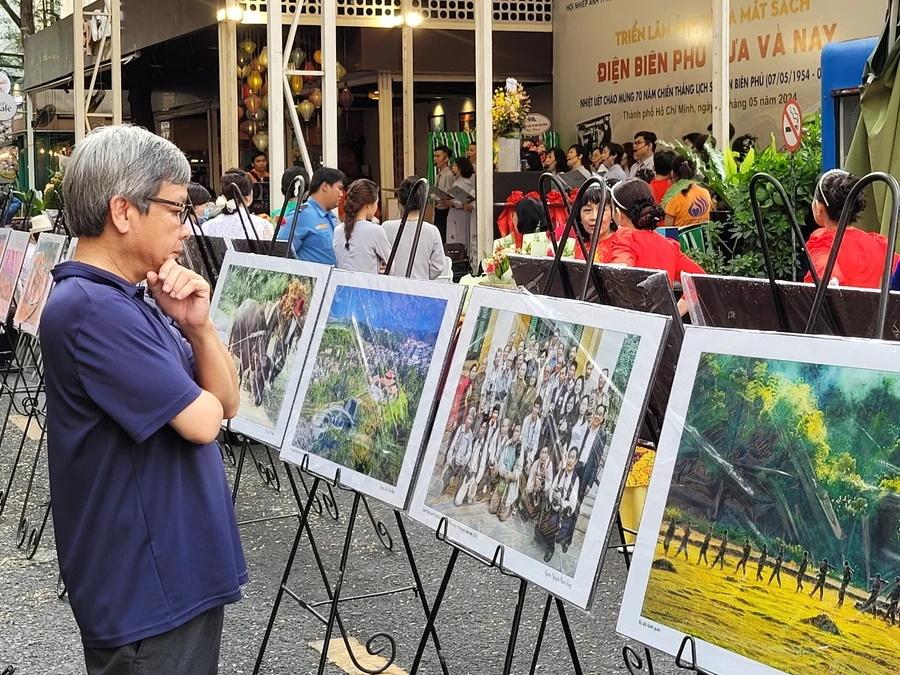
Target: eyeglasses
column 822, row 179
column 639, row 144
column 185, row 209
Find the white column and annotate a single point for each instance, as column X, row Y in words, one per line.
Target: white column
column 329, row 84
column 276, row 107
column 484, row 84
column 228, row 93
column 386, row 128
column 115, row 18
column 409, row 103
column 78, row 74
column 720, row 81
column 29, row 140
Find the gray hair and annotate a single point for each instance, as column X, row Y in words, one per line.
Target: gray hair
column 118, row 161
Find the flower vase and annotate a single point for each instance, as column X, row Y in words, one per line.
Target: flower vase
column 509, row 154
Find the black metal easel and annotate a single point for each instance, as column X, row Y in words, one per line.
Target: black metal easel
column 821, row 293
column 312, row 500
column 764, row 246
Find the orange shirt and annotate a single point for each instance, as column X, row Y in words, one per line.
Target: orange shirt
column 659, row 188
column 647, row 249
column 691, row 208
column 860, row 261
column 604, row 250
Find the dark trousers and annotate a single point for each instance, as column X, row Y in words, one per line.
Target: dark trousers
column 440, row 222
column 191, row 649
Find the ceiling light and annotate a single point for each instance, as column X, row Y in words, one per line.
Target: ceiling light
column 413, row 19
column 231, row 13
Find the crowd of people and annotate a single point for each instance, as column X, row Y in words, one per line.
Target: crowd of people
column 528, row 435
column 651, row 188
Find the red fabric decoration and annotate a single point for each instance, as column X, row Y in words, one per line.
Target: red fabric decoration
column 557, row 213
column 505, row 220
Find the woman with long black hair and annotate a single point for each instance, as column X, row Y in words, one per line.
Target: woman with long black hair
column 359, row 244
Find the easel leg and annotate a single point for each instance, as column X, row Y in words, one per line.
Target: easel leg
column 238, row 471
column 420, row 590
column 570, row 640
column 304, row 515
column 540, row 638
column 432, row 616
column 514, row 632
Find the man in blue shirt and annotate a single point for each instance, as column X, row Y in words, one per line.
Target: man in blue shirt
column 146, row 537
column 314, row 236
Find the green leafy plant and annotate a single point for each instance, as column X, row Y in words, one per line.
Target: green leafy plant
column 734, row 247
column 37, row 206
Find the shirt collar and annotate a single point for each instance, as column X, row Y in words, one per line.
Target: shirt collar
column 80, row 270
column 318, row 209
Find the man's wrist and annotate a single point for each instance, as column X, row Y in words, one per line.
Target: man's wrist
column 198, row 334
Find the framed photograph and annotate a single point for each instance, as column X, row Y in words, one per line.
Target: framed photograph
column 47, row 252
column 264, row 309
column 70, row 251
column 467, row 122
column 436, row 124
column 11, row 267
column 770, row 531
column 368, row 392
column 534, row 433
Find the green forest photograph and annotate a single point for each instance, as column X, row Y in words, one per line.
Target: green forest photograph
column 368, row 379
column 259, row 317
column 781, row 533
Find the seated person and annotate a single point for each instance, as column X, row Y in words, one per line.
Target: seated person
column 232, row 224
column 860, row 260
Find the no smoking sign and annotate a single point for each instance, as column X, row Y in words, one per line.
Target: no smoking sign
column 792, row 125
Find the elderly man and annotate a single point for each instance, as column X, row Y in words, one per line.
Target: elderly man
column 137, row 389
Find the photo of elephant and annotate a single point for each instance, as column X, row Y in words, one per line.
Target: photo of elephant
column 260, row 315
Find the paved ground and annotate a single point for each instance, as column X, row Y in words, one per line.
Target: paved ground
column 38, row 633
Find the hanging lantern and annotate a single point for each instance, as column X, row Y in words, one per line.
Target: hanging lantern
column 243, row 58
column 255, row 116
column 265, row 102
column 345, row 98
column 265, row 87
column 264, row 57
column 261, row 140
column 245, row 91
column 296, row 84
column 254, row 81
column 248, row 46
column 253, row 102
column 255, row 66
column 298, row 56
column 310, row 66
column 242, row 73
column 340, row 70
column 240, row 113
column 248, row 128
column 317, row 56
column 316, row 97
column 306, row 108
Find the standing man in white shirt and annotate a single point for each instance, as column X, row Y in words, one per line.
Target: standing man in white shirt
column 644, row 147
column 445, row 180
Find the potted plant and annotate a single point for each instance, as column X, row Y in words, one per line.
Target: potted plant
column 733, row 240
column 509, row 112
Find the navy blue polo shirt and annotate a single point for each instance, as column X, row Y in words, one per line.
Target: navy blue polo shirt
column 145, row 531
